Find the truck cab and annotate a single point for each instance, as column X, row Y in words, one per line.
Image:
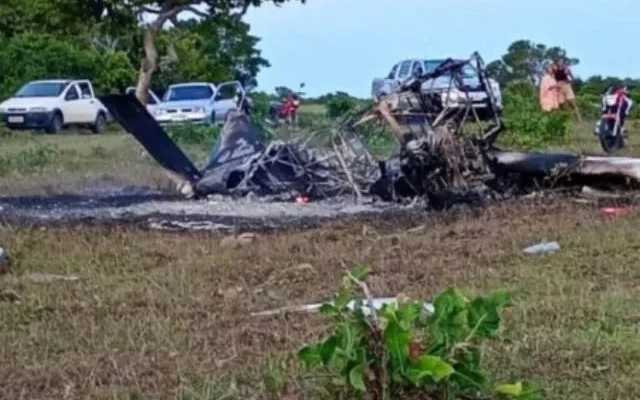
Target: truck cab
column 406, row 69
column 51, row 105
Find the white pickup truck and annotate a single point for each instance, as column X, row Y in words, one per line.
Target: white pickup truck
column 53, row 104
column 406, row 69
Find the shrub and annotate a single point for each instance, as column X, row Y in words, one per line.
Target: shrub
column 527, row 126
column 403, row 349
column 339, row 106
column 40, row 56
column 201, row 135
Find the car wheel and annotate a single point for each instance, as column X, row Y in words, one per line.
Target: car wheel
column 55, row 125
column 100, row 124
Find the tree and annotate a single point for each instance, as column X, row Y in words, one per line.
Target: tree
column 524, row 62
column 31, row 56
column 63, row 18
column 217, row 11
column 209, row 51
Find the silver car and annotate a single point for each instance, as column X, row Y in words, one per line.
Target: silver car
column 198, row 103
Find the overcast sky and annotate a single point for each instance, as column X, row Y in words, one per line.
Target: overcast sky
column 343, row 44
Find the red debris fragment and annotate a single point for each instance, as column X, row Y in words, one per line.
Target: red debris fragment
column 615, row 212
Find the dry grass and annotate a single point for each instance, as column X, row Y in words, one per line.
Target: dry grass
column 155, row 311
column 160, row 315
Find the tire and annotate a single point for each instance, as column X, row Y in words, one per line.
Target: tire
column 56, row 123
column 100, row 124
column 610, row 143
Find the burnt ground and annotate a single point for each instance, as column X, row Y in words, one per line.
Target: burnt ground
column 165, row 210
column 158, row 314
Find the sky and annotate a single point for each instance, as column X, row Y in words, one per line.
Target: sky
column 333, row 45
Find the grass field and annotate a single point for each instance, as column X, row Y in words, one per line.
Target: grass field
column 159, row 315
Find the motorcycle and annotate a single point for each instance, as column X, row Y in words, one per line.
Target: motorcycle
column 286, row 111
column 610, row 128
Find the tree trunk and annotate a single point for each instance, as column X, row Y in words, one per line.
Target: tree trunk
column 147, row 68
column 149, row 63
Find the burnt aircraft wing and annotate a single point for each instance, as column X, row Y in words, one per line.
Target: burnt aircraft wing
column 135, row 119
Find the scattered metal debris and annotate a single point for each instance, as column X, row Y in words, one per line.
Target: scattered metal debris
column 447, row 153
column 378, row 303
column 167, row 225
column 542, row 248
column 615, row 212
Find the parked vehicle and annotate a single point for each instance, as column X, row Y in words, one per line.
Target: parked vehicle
column 152, row 101
column 285, row 111
column 453, row 95
column 198, row 102
column 53, row 104
column 610, row 129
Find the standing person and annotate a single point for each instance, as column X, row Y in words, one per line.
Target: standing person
column 564, row 77
column 549, row 90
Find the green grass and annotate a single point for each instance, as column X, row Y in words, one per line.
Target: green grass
column 317, row 109
column 34, row 163
column 159, row 315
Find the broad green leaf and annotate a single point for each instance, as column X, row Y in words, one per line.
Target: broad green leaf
column 328, row 349
column 310, row 355
column 448, row 323
column 432, row 366
column 509, row 389
column 408, row 313
column 361, row 272
column 484, row 318
column 356, row 378
column 397, row 341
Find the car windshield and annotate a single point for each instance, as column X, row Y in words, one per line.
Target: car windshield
column 179, row 93
column 42, row 89
column 468, row 72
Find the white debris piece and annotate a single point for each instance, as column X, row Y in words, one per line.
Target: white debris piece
column 378, row 303
column 542, row 248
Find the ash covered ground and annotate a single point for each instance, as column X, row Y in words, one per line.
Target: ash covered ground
column 170, row 211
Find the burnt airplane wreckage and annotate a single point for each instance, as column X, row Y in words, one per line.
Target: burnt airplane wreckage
column 447, row 152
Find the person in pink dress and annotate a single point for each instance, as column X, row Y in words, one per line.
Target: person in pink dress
column 549, row 90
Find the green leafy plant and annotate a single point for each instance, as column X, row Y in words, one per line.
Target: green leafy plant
column 527, row 126
column 405, row 348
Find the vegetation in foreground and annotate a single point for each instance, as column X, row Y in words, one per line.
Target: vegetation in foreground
column 164, row 315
